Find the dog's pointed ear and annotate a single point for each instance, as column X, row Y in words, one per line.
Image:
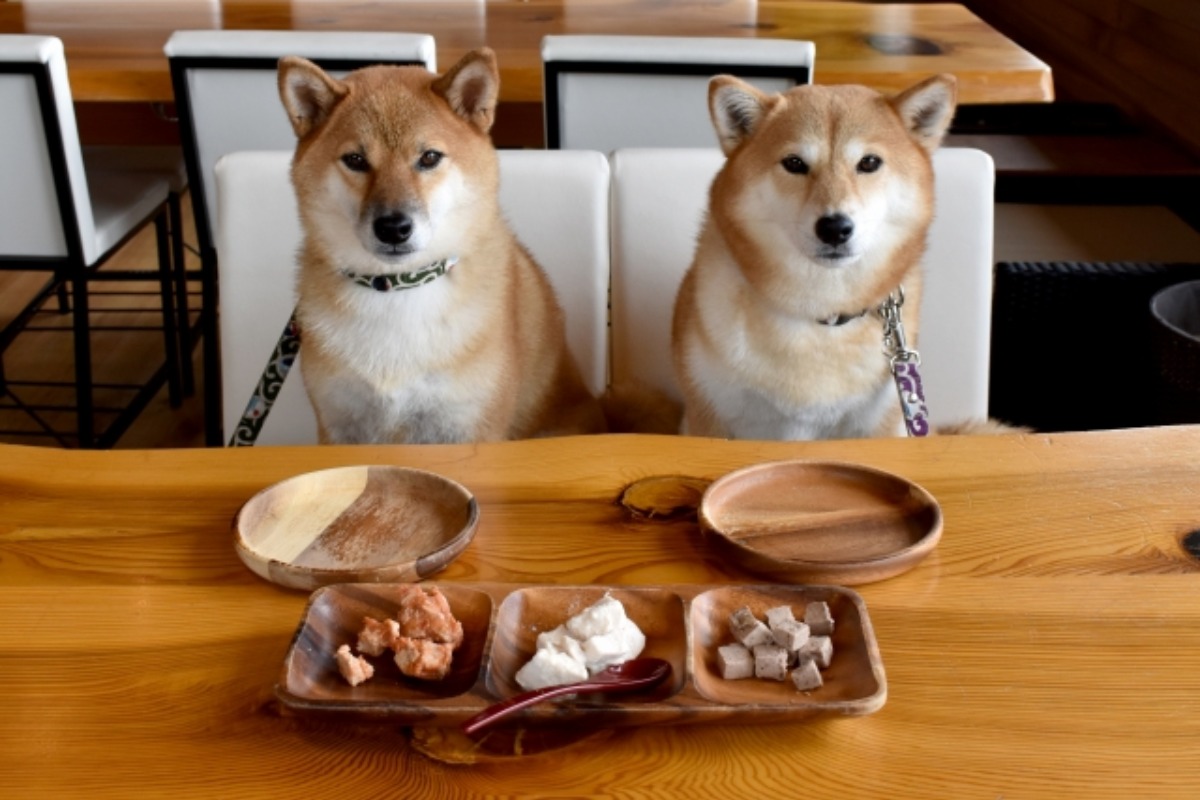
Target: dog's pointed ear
column 928, row 108
column 471, row 88
column 736, row 108
column 308, row 93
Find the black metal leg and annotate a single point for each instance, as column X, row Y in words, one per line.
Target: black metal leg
column 213, row 433
column 83, row 361
column 182, row 316
column 166, row 275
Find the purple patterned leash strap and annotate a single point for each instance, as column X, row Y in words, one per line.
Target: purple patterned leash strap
column 904, row 362
column 269, row 386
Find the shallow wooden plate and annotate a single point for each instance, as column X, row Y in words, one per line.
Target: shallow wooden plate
column 821, row 522
column 355, row 524
column 684, row 624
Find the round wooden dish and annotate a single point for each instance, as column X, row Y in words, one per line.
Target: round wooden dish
column 355, row 525
column 820, row 522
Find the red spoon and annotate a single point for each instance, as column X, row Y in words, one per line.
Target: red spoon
column 637, row 673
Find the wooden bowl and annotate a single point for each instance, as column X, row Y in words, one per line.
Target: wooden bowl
column 820, row 522
column 355, row 525
column 683, row 623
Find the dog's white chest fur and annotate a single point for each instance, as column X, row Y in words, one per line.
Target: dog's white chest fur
column 391, row 349
column 769, row 376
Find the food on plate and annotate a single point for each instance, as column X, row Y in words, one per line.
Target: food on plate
column 423, row 658
column 818, row 649
column 599, row 636
column 423, row 637
column 426, row 615
column 790, row 634
column 778, row 615
column 735, row 662
column 770, row 662
column 749, row 630
column 787, row 644
column 818, row 618
column 355, row 669
column 807, row 676
column 377, row 636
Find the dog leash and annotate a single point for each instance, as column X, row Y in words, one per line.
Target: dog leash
column 266, row 392
column 904, row 363
column 269, row 385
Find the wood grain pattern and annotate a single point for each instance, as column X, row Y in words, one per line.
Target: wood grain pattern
column 114, row 50
column 1045, row 649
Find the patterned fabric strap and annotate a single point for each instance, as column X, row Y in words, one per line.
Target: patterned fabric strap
column 398, row 281
column 912, row 396
column 269, row 385
column 904, row 361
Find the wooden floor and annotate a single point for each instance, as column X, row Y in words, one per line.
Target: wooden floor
column 44, row 353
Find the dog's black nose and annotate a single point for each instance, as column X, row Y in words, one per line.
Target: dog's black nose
column 835, row 229
column 393, row 229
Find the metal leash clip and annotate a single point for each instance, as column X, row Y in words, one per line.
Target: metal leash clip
column 904, row 362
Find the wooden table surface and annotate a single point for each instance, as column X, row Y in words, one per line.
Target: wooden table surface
column 114, row 48
column 1048, row 648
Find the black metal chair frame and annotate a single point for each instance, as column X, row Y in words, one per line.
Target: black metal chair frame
column 71, row 271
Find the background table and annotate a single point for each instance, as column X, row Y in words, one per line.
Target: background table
column 1050, row 646
column 114, row 48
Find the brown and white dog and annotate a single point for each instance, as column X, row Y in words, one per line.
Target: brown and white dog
column 423, row 319
column 819, row 213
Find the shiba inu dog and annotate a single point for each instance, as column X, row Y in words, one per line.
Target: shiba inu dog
column 818, row 215
column 422, row 318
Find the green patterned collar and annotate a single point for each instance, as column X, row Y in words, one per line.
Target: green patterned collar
column 397, row 281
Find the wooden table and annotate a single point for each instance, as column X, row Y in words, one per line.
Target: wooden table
column 1049, row 648
column 115, row 49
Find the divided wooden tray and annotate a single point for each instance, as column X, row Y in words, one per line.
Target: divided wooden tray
column 684, row 624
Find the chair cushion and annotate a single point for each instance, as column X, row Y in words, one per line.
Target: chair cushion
column 120, row 201
column 164, row 161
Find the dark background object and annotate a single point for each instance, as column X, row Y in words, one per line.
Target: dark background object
column 1073, row 343
column 1176, row 339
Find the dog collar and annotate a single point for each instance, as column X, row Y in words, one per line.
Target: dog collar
column 397, row 281
column 842, row 319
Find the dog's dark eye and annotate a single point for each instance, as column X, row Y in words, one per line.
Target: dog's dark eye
column 869, row 163
column 355, row 162
column 795, row 165
column 429, row 159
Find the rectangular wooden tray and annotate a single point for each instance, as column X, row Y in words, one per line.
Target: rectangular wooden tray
column 685, row 624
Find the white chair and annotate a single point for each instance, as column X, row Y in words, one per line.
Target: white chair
column 227, row 100
column 56, row 216
column 557, row 202
column 659, row 197
column 606, row 92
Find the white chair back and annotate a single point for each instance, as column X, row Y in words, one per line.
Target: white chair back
column 557, row 202
column 45, row 210
column 606, row 92
column 659, row 198
column 227, row 97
